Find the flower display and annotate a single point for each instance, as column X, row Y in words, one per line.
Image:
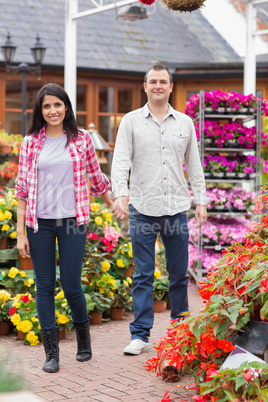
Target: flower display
column 229, row 134
column 232, row 292
column 227, row 100
column 232, row 198
column 62, row 311
column 8, row 171
column 12, row 141
column 239, row 163
column 5, row 305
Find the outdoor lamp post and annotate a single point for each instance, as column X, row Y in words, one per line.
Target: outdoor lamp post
column 38, row 52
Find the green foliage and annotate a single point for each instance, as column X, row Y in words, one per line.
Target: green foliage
column 249, row 382
column 160, row 286
column 122, row 297
column 97, row 302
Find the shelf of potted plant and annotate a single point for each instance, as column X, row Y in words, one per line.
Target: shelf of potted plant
column 230, row 152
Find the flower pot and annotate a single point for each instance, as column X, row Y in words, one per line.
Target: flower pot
column 25, row 263
column 3, row 243
column 95, row 318
column 117, row 314
column 4, row 327
column 128, row 272
column 218, row 174
column 21, row 335
column 168, row 372
column 159, row 306
column 5, row 149
column 62, row 333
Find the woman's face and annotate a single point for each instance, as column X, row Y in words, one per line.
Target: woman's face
column 53, row 111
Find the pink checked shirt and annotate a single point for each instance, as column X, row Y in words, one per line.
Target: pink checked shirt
column 85, row 166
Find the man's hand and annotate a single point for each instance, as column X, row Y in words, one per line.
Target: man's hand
column 120, row 208
column 200, row 215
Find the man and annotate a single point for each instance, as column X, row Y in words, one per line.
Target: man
column 153, row 143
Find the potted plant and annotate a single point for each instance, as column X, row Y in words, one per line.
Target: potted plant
column 63, row 314
column 17, row 282
column 97, row 303
column 5, row 305
column 160, row 292
column 121, row 300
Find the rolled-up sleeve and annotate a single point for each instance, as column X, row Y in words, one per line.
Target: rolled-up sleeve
column 21, row 189
column 121, row 160
column 99, row 182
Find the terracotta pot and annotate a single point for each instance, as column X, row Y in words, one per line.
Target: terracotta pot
column 168, row 372
column 5, row 149
column 25, row 264
column 159, row 306
column 95, row 318
column 21, row 335
column 3, row 243
column 168, row 306
column 117, row 314
column 128, row 272
column 62, row 333
column 4, row 328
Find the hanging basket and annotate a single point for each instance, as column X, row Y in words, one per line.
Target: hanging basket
column 183, row 5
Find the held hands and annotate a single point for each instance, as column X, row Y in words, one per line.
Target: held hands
column 23, row 245
column 200, row 215
column 120, row 208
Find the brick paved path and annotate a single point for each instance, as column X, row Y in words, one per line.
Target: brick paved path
column 109, row 376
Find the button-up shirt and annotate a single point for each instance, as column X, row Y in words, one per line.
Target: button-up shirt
column 85, row 165
column 155, row 154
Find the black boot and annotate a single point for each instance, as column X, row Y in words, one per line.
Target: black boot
column 83, row 342
column 50, row 338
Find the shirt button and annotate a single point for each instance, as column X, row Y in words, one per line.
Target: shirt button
column 163, row 147
column 165, row 178
column 164, row 163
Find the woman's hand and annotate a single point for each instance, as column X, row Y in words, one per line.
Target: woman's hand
column 23, row 245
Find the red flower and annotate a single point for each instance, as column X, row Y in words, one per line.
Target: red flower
column 248, row 375
column 147, row 2
column 25, row 298
column 12, row 311
column 108, row 245
column 93, row 236
column 166, row 398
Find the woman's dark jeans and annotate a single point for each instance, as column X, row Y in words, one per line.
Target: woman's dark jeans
column 71, row 242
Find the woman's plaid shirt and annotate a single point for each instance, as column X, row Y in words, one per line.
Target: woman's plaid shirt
column 85, row 166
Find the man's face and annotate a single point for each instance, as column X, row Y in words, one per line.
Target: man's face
column 158, row 87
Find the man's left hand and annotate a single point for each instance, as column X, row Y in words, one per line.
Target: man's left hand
column 200, row 215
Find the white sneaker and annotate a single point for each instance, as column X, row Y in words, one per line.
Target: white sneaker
column 136, row 347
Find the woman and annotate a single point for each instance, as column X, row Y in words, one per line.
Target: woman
column 56, row 158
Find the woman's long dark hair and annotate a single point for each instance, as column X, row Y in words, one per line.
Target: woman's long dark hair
column 69, row 122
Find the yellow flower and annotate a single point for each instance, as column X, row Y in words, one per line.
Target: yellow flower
column 120, row 263
column 7, row 215
column 5, row 228
column 112, row 281
column 25, row 326
column 14, row 202
column 29, row 282
column 62, row 319
column 4, row 297
column 111, row 294
column 22, row 274
column 57, row 312
column 105, row 212
column 157, row 274
column 129, row 280
column 13, row 235
column 13, row 272
column 2, row 216
column 64, row 304
column 60, row 295
column 98, row 220
column 95, row 206
column 122, row 252
column 130, row 253
column 102, row 290
column 32, row 338
column 125, row 282
column 34, row 319
column 105, row 266
column 15, row 319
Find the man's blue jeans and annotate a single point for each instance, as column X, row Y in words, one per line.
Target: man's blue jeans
column 143, row 232
column 71, row 242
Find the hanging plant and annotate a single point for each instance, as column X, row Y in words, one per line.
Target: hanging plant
column 184, row 5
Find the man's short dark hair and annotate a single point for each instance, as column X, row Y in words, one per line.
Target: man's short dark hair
column 158, row 67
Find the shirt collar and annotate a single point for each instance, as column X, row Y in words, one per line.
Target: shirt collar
column 147, row 112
